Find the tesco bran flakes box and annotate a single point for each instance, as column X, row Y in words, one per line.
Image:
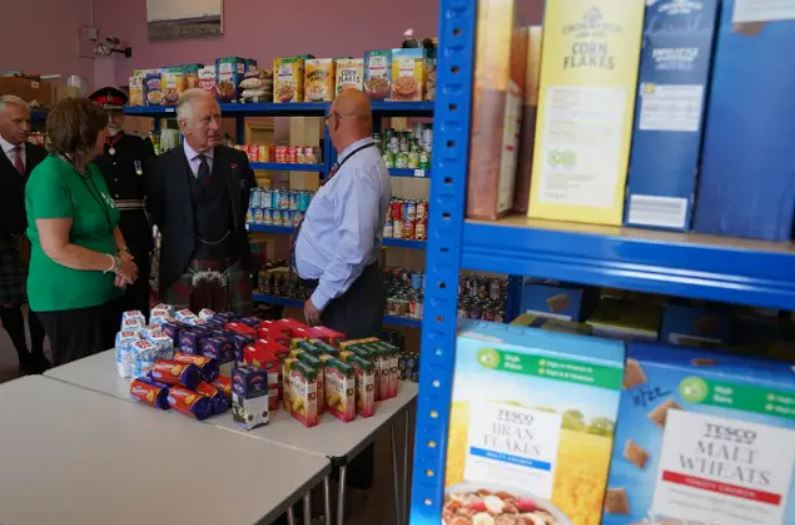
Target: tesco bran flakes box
column 532, row 415
column 703, row 438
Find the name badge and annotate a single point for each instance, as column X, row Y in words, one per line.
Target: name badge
column 139, row 170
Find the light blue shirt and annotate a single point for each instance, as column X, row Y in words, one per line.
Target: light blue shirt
column 344, row 225
column 194, row 159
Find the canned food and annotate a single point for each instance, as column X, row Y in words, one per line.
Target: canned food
column 284, row 199
column 304, row 199
column 413, row 160
column 275, row 199
column 267, row 216
column 310, row 154
column 388, row 229
column 425, row 160
column 250, row 216
column 417, row 279
column 420, row 231
column 253, row 153
column 292, row 155
column 258, row 217
column 408, row 229
column 397, row 210
column 410, row 211
column 277, row 217
column 254, row 198
column 263, row 154
column 402, row 160
column 397, row 229
column 422, row 210
column 293, row 200
column 297, row 218
column 266, row 198
column 389, row 159
column 287, row 218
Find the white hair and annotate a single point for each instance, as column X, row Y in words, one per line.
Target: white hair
column 12, row 100
column 185, row 105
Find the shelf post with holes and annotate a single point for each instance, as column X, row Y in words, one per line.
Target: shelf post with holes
column 443, row 259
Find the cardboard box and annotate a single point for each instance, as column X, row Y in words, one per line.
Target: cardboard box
column 551, row 324
column 589, row 71
column 408, row 74
column 533, row 415
column 626, row 320
column 524, row 165
column 697, row 326
column 553, row 300
column 29, row 90
column 250, row 397
column 288, row 79
column 207, row 78
column 319, row 78
column 229, row 71
column 672, row 94
column 340, row 389
column 500, row 59
column 303, row 392
column 153, row 87
column 747, row 186
column 350, row 74
column 378, row 74
column 703, row 437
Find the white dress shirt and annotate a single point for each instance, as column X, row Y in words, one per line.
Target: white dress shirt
column 194, row 158
column 8, row 149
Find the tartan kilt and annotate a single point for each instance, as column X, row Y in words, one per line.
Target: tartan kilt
column 13, row 275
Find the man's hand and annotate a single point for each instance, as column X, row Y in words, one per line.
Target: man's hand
column 311, row 313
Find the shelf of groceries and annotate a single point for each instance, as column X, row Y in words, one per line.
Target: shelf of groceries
column 292, row 109
column 652, row 216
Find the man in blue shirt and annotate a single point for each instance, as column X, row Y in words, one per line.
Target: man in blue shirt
column 338, row 244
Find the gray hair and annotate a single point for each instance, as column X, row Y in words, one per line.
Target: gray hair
column 12, row 100
column 185, row 105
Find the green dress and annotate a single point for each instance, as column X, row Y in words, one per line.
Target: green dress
column 56, row 190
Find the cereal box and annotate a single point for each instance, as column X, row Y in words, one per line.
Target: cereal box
column 524, row 163
column 207, row 80
column 558, row 301
column 319, row 80
column 378, row 74
column 697, row 326
column 551, row 324
column 250, row 397
column 340, row 389
column 288, row 79
column 531, row 421
column 228, row 74
column 702, row 438
column 627, row 320
column 152, row 81
column 589, row 71
column 136, row 91
column 303, row 398
column 408, row 74
column 350, row 74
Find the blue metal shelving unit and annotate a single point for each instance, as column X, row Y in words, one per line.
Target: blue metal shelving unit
column 276, row 166
column 687, row 265
column 411, row 173
column 286, row 230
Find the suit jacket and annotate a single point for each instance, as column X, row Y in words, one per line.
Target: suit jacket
column 13, row 220
column 168, row 200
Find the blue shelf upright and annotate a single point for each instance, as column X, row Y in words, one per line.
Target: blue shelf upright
column 443, row 260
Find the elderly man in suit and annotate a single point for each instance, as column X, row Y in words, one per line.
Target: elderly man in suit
column 17, row 160
column 197, row 195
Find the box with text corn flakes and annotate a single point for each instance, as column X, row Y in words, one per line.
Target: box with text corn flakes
column 531, row 425
column 703, row 438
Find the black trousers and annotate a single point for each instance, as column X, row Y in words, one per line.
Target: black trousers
column 81, row 332
column 138, row 236
column 359, row 313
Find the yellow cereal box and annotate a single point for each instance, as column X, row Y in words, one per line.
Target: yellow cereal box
column 589, row 72
column 350, row 74
column 319, row 80
column 408, row 74
column 136, row 91
column 531, row 425
column 288, row 79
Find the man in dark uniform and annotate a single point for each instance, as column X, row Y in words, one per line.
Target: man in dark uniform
column 123, row 167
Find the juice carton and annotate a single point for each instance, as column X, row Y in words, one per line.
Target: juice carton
column 303, row 399
column 340, row 389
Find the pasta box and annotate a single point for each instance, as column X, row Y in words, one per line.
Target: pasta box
column 533, row 414
column 703, row 437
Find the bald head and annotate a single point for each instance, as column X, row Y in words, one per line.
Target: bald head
column 351, row 118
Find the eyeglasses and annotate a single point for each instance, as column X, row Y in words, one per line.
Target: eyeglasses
column 333, row 114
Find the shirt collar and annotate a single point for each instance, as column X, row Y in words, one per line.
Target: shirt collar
column 350, row 149
column 191, row 153
column 7, row 146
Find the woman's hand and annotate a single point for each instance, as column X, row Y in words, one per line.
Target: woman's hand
column 128, row 270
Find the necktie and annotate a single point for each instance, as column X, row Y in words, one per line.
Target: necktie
column 294, row 237
column 18, row 163
column 203, row 175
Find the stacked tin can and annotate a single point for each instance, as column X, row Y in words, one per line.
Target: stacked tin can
column 277, row 207
column 481, row 297
column 281, row 154
column 404, row 292
column 276, row 279
column 406, row 149
column 406, row 219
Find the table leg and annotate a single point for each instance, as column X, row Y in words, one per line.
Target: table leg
column 327, row 500
column 395, row 481
column 341, row 495
column 290, row 516
column 308, row 508
column 406, row 435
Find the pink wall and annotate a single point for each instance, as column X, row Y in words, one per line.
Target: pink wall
column 41, row 36
column 267, row 29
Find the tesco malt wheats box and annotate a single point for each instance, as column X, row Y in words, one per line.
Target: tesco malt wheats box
column 703, row 438
column 589, row 71
column 531, row 425
column 672, row 94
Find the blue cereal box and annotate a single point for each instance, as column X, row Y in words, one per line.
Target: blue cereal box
column 747, row 186
column 552, row 300
column 229, row 72
column 672, row 93
column 532, row 416
column 703, row 437
column 697, row 326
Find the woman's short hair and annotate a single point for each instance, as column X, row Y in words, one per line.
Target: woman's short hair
column 73, row 126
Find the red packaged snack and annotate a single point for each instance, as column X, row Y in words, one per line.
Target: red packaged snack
column 224, row 384
column 290, row 325
column 273, row 333
column 240, row 328
column 220, row 402
column 207, row 365
column 190, row 402
column 150, row 392
column 327, row 335
column 173, row 373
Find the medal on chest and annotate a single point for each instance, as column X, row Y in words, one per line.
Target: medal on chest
column 139, row 170
column 111, row 151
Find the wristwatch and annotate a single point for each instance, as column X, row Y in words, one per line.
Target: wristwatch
column 116, row 264
column 124, row 249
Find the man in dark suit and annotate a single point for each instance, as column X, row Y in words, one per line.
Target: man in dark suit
column 197, row 195
column 122, row 164
column 17, row 160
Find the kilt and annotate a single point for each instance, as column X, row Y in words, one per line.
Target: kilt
column 13, row 275
column 235, row 297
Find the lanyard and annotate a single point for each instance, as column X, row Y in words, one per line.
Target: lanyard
column 95, row 193
column 354, row 152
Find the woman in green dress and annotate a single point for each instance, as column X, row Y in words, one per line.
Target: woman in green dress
column 79, row 260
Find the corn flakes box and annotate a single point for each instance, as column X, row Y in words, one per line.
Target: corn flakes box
column 531, row 425
column 288, row 79
column 319, row 80
column 408, row 74
column 703, row 437
column 350, row 74
column 378, row 74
